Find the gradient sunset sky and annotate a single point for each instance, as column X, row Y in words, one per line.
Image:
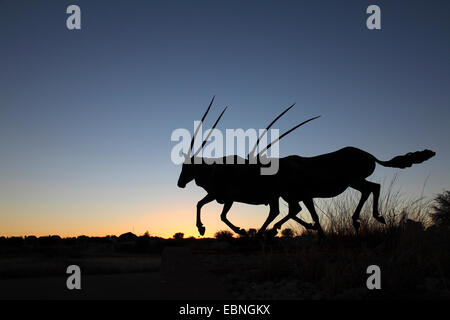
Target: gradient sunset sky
column 86, row 116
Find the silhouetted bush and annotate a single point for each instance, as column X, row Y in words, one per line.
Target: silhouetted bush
column 82, row 239
column 251, row 232
column 15, row 241
column 31, row 240
column 441, row 214
column 287, row 233
column 178, row 235
column 70, row 241
column 223, row 235
column 49, row 240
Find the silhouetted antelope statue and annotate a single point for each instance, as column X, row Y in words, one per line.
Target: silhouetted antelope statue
column 330, row 174
column 298, row 179
column 236, row 182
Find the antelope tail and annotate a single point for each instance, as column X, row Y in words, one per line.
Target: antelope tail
column 408, row 159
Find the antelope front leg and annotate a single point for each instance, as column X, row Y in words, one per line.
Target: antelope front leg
column 273, row 213
column 223, row 216
column 208, row 198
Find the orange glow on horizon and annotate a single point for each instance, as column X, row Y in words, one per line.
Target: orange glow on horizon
column 95, row 220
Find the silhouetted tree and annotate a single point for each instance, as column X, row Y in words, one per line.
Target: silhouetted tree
column 441, row 214
column 142, row 243
column 178, row 235
column 287, row 233
column 223, row 235
column 31, row 240
column 15, row 241
column 82, row 238
column 250, row 233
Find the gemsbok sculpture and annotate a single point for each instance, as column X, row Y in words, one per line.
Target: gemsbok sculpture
column 297, row 179
column 231, row 181
column 330, row 174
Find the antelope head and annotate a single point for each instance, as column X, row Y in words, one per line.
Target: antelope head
column 188, row 172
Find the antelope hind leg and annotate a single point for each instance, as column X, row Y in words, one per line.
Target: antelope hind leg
column 376, row 196
column 309, row 203
column 273, row 213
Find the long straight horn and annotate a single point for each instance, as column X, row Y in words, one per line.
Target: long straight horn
column 209, row 134
column 286, row 133
column 200, row 124
column 251, row 153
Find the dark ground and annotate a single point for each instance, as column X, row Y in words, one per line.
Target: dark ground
column 415, row 264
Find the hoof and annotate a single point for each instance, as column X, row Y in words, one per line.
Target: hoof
column 321, row 233
column 313, row 226
column 201, row 230
column 356, row 225
column 380, row 219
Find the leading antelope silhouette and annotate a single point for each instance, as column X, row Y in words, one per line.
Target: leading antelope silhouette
column 298, row 179
column 229, row 183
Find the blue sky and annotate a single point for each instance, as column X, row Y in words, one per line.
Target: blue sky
column 86, row 116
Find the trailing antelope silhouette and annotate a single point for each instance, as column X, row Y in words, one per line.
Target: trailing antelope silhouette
column 330, row 174
column 298, row 179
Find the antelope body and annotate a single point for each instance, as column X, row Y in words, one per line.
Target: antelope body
column 228, row 183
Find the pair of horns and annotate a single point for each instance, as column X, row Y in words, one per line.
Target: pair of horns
column 199, row 125
column 251, row 154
